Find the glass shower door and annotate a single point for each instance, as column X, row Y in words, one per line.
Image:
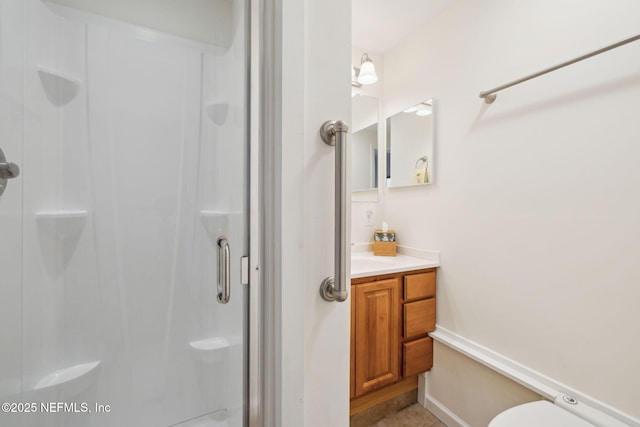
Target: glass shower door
column 131, row 134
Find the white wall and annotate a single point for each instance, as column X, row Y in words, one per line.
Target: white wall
column 535, row 206
column 364, row 111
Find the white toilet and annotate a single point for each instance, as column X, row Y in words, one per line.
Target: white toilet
column 566, row 412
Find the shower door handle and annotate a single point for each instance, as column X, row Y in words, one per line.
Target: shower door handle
column 8, row 171
column 224, row 270
column 334, row 132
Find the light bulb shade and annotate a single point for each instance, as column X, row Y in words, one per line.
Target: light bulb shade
column 367, row 74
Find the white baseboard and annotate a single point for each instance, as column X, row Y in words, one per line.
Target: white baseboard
column 436, row 407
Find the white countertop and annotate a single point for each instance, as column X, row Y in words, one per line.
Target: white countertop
column 365, row 264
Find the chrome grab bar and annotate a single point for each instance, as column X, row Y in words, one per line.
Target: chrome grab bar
column 224, row 270
column 334, row 288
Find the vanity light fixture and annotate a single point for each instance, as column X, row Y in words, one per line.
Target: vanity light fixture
column 366, row 74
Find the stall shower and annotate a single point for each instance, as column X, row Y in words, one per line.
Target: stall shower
column 127, row 120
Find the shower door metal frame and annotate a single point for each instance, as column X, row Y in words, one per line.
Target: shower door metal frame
column 256, row 317
column 265, row 107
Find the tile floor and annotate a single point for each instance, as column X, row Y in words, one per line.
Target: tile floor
column 412, row 416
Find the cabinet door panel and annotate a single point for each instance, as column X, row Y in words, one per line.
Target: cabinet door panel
column 377, row 334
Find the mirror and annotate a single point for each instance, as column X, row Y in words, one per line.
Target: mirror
column 364, row 143
column 410, row 136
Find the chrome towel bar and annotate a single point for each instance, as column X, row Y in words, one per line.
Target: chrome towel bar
column 490, row 95
column 334, row 288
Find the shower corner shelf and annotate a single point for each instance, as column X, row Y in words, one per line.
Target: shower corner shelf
column 73, row 379
column 59, row 87
column 62, row 224
column 209, row 349
column 217, row 112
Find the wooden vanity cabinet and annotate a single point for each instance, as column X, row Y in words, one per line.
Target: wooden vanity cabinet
column 391, row 316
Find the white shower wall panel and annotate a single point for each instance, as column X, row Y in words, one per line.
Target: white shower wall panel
column 60, row 293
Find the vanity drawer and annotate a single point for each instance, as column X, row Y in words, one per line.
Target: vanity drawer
column 421, row 285
column 419, row 317
column 417, row 356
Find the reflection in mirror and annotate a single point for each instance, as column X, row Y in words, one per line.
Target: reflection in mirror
column 364, row 143
column 410, row 138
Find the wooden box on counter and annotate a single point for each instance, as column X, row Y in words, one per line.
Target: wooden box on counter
column 384, row 243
